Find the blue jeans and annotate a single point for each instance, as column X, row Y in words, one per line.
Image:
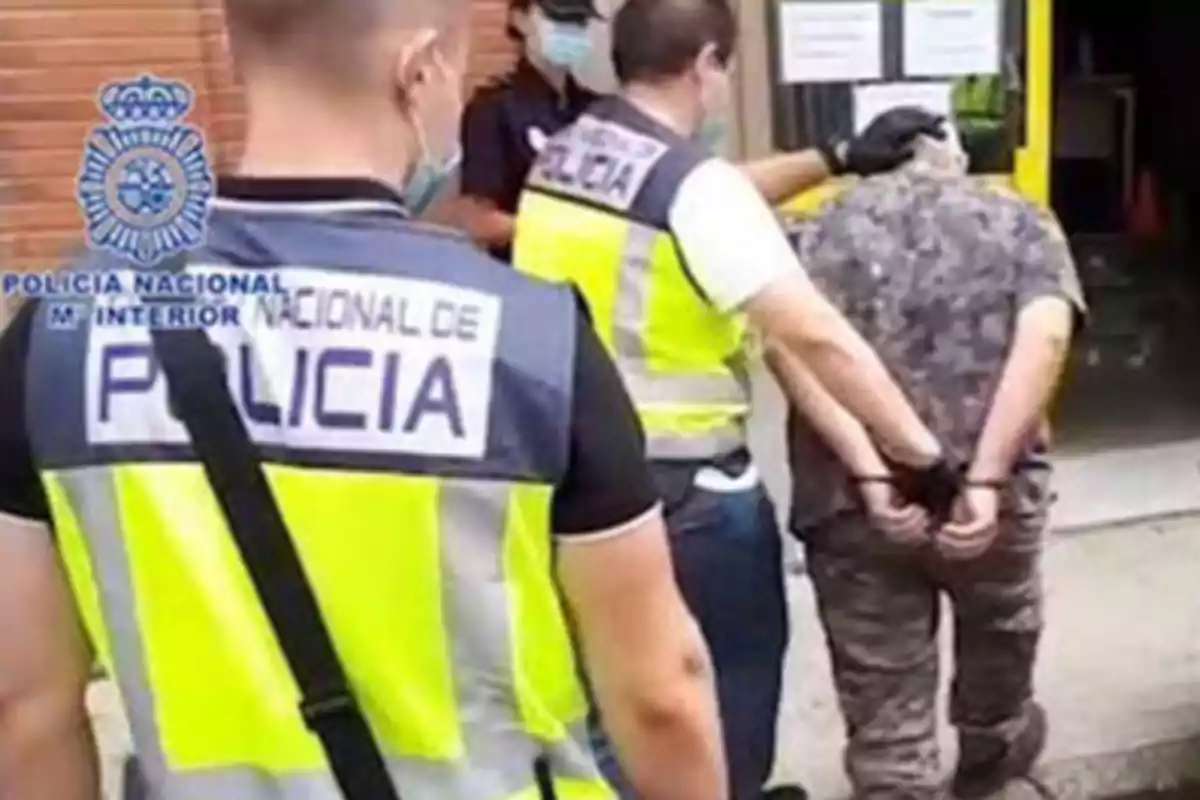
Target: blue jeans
column 728, row 559
column 134, row 783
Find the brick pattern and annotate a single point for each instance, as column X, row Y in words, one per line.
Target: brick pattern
column 53, row 55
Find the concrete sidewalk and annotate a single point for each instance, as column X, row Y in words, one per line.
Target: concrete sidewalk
column 1119, row 672
column 1119, row 675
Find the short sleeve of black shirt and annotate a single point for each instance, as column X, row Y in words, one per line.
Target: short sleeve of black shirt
column 608, row 482
column 486, row 171
column 21, row 492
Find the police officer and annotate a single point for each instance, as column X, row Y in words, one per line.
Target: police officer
column 969, row 299
column 980, row 109
column 508, row 121
column 423, row 439
column 674, row 249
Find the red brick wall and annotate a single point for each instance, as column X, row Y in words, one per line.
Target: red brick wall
column 55, row 53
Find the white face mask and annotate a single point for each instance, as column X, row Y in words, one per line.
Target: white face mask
column 562, row 44
column 435, row 122
column 431, row 174
column 942, row 155
column 715, row 94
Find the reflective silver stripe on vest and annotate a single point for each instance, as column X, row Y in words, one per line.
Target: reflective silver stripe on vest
column 712, row 443
column 631, row 312
column 498, row 757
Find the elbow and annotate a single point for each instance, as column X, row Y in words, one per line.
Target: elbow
column 44, row 697
column 815, row 334
column 481, row 220
column 470, row 217
column 819, row 346
column 1047, row 324
column 775, row 354
column 1049, row 348
column 796, row 318
column 39, row 718
column 678, row 702
column 1059, row 342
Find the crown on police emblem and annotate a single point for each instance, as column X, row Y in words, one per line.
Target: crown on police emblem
column 145, row 181
column 146, row 99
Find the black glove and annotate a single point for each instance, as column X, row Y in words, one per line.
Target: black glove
column 885, row 144
column 934, row 488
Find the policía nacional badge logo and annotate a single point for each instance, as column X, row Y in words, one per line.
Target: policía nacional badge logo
column 145, row 181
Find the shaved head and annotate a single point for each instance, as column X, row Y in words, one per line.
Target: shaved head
column 329, row 35
column 362, row 86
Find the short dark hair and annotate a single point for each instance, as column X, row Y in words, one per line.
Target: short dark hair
column 657, row 39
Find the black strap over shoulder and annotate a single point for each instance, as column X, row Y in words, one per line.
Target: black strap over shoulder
column 199, row 391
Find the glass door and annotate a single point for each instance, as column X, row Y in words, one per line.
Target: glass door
column 835, row 64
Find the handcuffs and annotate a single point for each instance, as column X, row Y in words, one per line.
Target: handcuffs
column 934, row 488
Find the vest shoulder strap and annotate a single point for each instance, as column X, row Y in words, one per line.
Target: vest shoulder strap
column 197, row 385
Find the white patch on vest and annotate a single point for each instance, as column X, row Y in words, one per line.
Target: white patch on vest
column 598, row 161
column 351, row 363
column 537, row 139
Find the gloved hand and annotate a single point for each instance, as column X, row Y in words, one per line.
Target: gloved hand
column 934, row 487
column 885, row 144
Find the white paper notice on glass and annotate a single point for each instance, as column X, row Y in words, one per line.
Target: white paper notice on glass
column 944, row 38
column 873, row 99
column 830, row 41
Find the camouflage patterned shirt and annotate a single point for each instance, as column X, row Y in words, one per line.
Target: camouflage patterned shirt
column 932, row 271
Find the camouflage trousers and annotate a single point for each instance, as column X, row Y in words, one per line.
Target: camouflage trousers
column 880, row 606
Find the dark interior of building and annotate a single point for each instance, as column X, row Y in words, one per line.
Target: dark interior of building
column 1126, row 185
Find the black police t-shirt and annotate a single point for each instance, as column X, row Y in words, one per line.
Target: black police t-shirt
column 504, row 127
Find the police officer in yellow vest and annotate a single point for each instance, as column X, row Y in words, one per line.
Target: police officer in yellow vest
column 676, row 252
column 980, row 104
column 449, row 451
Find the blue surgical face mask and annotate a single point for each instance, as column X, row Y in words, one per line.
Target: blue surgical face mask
column 429, row 177
column 712, row 133
column 714, row 100
column 562, row 44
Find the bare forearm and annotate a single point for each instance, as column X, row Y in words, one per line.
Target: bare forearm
column 668, row 741
column 46, row 747
column 855, row 377
column 47, row 751
column 1026, row 386
column 844, row 434
column 486, row 225
column 782, row 176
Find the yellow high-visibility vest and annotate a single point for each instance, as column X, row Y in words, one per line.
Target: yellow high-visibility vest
column 428, row 547
column 979, row 101
column 594, row 213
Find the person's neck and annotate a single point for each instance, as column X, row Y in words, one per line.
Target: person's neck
column 660, row 105
column 288, row 135
column 554, row 75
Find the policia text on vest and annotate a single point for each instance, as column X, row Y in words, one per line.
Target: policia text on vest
column 596, row 213
column 417, row 492
column 197, row 385
column 348, row 372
